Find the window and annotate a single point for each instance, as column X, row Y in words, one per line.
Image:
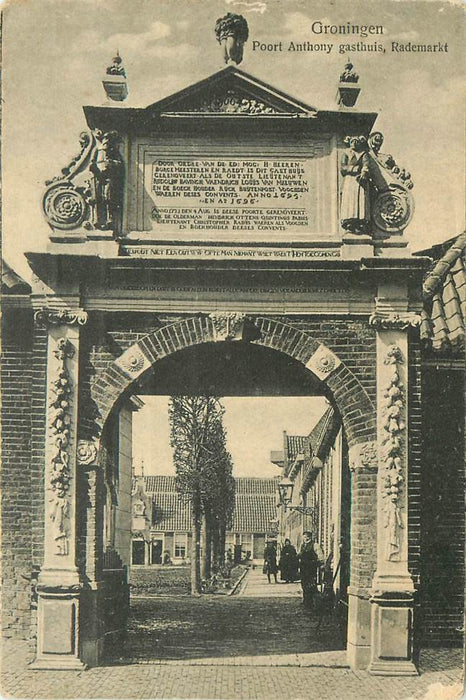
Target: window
column 180, row 546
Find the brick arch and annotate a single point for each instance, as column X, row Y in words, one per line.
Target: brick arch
column 357, row 410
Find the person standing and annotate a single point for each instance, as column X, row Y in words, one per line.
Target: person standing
column 288, row 562
column 311, row 557
column 270, row 560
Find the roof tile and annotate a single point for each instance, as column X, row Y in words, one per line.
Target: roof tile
column 255, row 504
column 445, row 298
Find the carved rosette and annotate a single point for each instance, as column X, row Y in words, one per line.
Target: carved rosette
column 384, row 322
column 133, row 362
column 60, row 423
column 86, row 452
column 392, row 210
column 323, row 362
column 227, row 326
column 392, row 482
column 60, row 317
column 64, row 206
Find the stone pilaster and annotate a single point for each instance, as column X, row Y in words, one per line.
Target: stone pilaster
column 392, row 587
column 58, row 584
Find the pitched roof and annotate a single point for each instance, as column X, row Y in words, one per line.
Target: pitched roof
column 160, row 482
column 295, row 445
column 253, row 512
column 255, row 504
column 444, row 289
column 323, row 433
column 171, row 512
column 256, row 486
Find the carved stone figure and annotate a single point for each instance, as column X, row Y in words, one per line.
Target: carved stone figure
column 88, row 203
column 354, row 208
column 107, row 183
column 232, row 32
column 387, row 162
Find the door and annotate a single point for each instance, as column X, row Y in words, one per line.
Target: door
column 138, row 551
column 156, row 553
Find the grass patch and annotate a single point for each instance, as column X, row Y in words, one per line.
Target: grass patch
column 161, row 580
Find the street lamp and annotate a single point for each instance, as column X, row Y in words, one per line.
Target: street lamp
column 285, row 493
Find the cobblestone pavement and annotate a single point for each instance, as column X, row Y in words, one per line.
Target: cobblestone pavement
column 439, row 680
column 229, row 647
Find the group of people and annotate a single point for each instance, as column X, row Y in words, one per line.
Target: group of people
column 292, row 565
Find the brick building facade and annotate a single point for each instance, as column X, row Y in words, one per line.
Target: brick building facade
column 161, row 524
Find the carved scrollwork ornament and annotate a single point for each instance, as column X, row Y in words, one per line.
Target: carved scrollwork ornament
column 382, row 321
column 60, row 317
column 235, row 103
column 363, row 456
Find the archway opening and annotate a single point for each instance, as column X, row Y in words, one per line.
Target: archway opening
column 256, row 376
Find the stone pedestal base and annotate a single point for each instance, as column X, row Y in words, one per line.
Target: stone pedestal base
column 358, row 651
column 392, row 625
column 356, row 246
column 58, row 629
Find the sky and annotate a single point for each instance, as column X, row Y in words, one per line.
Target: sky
column 254, row 427
column 56, row 51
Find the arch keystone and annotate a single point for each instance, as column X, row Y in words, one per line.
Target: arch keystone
column 227, row 326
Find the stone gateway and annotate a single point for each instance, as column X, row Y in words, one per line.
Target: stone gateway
column 225, row 226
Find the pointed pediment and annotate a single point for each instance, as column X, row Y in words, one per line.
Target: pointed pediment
column 233, row 92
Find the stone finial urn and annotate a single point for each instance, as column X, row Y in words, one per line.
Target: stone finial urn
column 114, row 82
column 348, row 88
column 232, row 32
